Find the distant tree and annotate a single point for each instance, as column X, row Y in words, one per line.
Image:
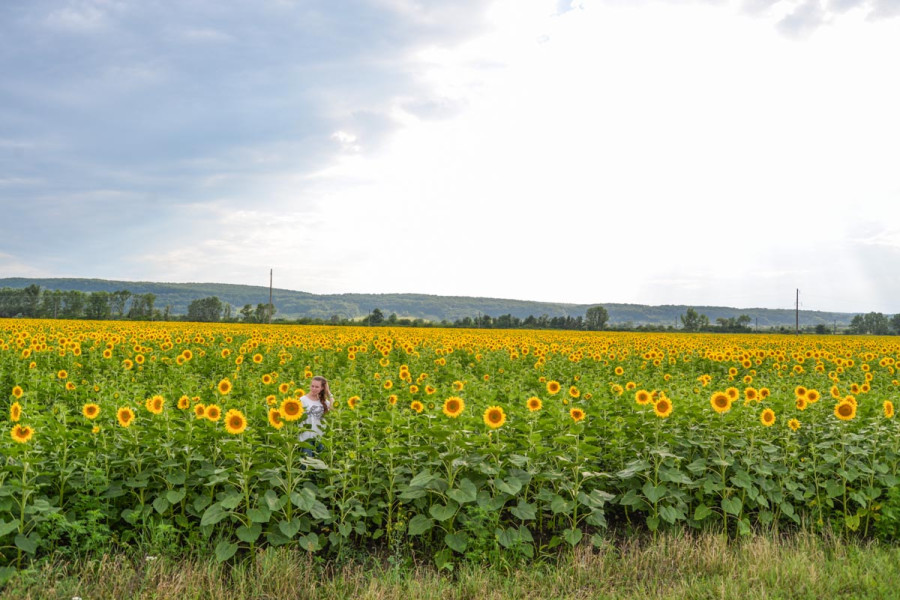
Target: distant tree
column 375, row 317
column 895, row 323
column 694, row 321
column 857, row 326
column 596, row 317
column 206, row 310
column 874, row 322
column 97, row 306
column 247, row 313
column 117, row 302
column 821, row 329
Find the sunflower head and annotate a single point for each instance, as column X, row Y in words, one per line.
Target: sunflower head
column 275, row 419
column 213, row 412
column 17, row 392
column 845, row 410
column 184, row 403
column 125, row 416
column 888, row 408
column 553, row 387
column 15, row 412
column 235, row 422
column 720, row 402
column 534, row 404
column 576, row 414
column 767, row 417
column 453, row 406
column 494, row 417
column 794, row 424
column 291, row 409
column 90, row 410
column 416, row 406
column 642, row 397
column 224, row 387
column 21, row 433
column 663, row 407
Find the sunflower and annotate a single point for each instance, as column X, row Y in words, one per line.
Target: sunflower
column 764, row 393
column 751, row 394
column 62, row 374
column 388, row 384
column 732, row 393
column 284, row 387
column 577, row 414
column 257, row 358
column 184, row 402
column 413, row 389
column 155, row 404
column 21, row 433
column 573, row 391
column 70, row 386
column 534, row 404
column 90, row 410
column 845, row 410
column 494, row 417
column 888, row 407
column 213, row 412
column 416, row 406
column 224, row 387
column 812, row 396
column 720, row 402
column 767, row 417
column 453, row 406
column 794, row 424
column 392, row 399
column 275, row 419
column 235, row 422
column 458, row 386
column 15, row 412
column 127, row 364
column 553, row 387
column 125, row 416
column 352, row 402
column 17, row 392
column 663, row 407
column 266, row 379
column 642, row 397
column 199, row 410
column 619, row 371
column 291, row 409
column 799, row 391
column 429, row 390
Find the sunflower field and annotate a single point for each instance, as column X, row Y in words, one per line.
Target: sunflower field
column 443, row 445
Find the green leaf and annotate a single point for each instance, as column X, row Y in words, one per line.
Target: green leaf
column 674, row 476
column 652, row 523
column 272, row 500
column 465, row 493
column 26, row 544
column 320, row 511
column 231, row 501
column 419, row 524
column 259, row 515
column 456, row 541
column 524, row 510
column 289, row 528
column 7, row 528
column 422, row 479
column 633, row 468
column 511, row 486
column 249, row 534
column 161, row 504
column 654, row 493
column 175, row 496
column 744, row 526
column 701, row 512
column 442, row 512
column 5, row 574
column 560, row 505
column 225, row 550
column 309, row 542
column 213, row 515
column 175, row 479
column 304, row 499
column 670, row 514
column 507, row 537
column 732, row 505
column 572, row 536
column 834, row 488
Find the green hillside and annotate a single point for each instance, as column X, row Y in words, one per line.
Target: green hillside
column 291, row 304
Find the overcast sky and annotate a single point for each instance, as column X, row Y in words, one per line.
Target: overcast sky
column 707, row 152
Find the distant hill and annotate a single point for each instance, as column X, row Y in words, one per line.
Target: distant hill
column 291, row 304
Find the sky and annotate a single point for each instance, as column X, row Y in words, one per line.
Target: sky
column 696, row 152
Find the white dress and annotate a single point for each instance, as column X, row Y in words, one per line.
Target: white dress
column 312, row 425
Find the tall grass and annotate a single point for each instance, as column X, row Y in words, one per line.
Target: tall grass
column 670, row 567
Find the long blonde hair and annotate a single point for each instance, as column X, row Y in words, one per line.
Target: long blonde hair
column 325, row 396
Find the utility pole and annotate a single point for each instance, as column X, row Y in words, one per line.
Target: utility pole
column 797, row 313
column 269, row 308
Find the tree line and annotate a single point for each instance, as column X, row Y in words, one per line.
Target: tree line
column 874, row 323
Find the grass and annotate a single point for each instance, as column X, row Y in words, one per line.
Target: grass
column 670, row 567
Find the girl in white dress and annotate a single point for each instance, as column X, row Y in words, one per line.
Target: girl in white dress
column 316, row 404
